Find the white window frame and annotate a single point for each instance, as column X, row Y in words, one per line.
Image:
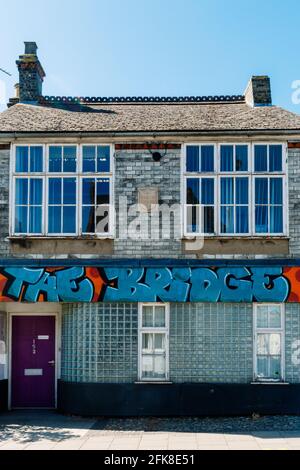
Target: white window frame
column 284, row 158
column 160, row 330
column 257, row 331
column 234, row 172
column 45, row 175
column 186, row 205
column 250, row 174
column 284, row 204
column 234, row 176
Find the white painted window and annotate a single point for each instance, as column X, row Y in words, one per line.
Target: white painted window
column 61, row 190
column 154, row 341
column 269, row 342
column 235, row 189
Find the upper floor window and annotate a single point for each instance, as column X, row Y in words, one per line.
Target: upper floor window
column 61, row 190
column 242, row 194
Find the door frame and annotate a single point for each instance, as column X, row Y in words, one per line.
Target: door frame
column 57, row 348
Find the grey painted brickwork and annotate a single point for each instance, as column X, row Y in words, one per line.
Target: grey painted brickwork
column 134, row 170
column 294, row 200
column 4, row 203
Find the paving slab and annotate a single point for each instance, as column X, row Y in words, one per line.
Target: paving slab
column 35, row 430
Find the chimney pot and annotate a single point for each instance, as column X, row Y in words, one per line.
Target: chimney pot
column 30, row 47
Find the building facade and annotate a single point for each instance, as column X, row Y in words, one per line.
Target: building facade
column 150, row 252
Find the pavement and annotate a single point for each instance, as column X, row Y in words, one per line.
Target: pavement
column 48, row 430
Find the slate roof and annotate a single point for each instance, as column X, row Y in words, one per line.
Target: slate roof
column 122, row 117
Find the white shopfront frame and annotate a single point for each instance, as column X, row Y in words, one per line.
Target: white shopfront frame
column 257, row 331
column 159, row 330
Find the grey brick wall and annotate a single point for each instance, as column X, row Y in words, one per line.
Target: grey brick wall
column 4, row 202
column 136, row 169
column 294, row 200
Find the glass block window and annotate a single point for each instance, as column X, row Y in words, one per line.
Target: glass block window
column 99, row 342
column 62, row 190
column 268, row 341
column 153, row 342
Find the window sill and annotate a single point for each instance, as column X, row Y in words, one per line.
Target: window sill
column 60, row 237
column 269, row 382
column 236, row 237
column 153, row 382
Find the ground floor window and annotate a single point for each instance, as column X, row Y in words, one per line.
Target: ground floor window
column 153, row 341
column 268, row 341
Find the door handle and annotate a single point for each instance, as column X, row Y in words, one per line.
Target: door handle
column 51, row 363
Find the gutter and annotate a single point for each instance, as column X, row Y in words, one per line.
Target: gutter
column 152, row 134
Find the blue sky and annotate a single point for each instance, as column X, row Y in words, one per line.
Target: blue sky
column 155, row 47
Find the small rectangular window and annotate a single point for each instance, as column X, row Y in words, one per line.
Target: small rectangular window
column 62, row 200
column 28, row 205
column 95, row 159
column 29, row 159
column 200, row 158
column 200, row 212
column 268, row 158
column 268, row 342
column 268, row 205
column 153, row 342
column 233, row 158
column 62, row 159
column 95, row 205
column 234, row 205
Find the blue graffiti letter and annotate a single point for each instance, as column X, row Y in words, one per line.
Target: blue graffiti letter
column 22, row 276
column 234, row 287
column 129, row 288
column 206, row 286
column 269, row 285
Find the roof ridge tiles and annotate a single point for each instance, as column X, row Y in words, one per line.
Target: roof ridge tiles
column 142, row 99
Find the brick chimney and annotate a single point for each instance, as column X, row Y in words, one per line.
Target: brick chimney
column 258, row 91
column 31, row 75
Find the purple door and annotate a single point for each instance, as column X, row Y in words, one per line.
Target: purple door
column 33, row 362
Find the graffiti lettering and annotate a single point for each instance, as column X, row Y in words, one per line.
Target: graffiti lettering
column 67, row 285
column 139, row 284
